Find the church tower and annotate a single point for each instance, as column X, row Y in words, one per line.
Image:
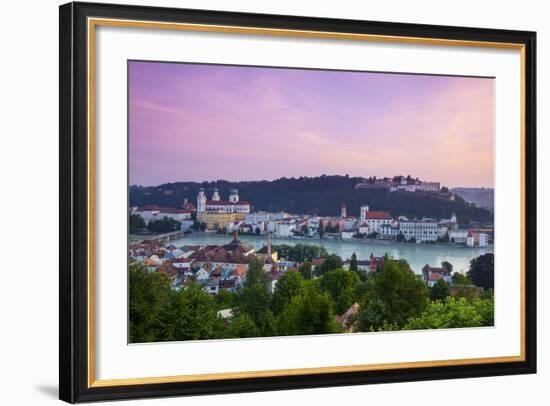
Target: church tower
column 216, row 195
column 364, row 210
column 201, row 201
column 343, row 212
column 234, row 196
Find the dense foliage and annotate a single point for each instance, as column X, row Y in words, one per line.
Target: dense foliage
column 136, row 223
column 164, row 225
column 322, row 195
column 392, row 295
column 482, row 271
column 454, row 312
column 300, row 252
column 391, row 298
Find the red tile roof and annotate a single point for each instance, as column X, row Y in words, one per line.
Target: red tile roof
column 239, row 271
column 377, row 215
column 172, row 210
column 226, row 203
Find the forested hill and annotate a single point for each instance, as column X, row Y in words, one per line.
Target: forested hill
column 321, row 195
column 482, row 197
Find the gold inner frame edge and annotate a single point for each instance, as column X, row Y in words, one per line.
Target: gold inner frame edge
column 92, row 23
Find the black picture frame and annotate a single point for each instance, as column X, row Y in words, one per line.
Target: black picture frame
column 74, row 199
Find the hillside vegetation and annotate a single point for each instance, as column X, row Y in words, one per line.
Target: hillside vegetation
column 322, row 195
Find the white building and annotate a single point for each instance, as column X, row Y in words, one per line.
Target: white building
column 458, row 236
column 373, row 219
column 259, row 217
column 389, row 231
column 477, row 240
column 233, row 205
column 202, row 275
column 413, row 185
column 364, row 229
column 148, row 213
column 430, row 186
column 422, row 230
column 349, row 223
column 284, row 229
column 175, row 214
column 152, row 213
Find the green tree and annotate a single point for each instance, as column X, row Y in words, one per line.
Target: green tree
column 330, row 263
column 136, row 223
column 243, row 326
column 290, row 285
column 164, row 225
column 198, row 225
column 224, row 299
column 440, row 290
column 447, row 266
column 256, row 273
column 321, row 230
column 459, row 278
column 300, row 252
column 191, row 315
column 341, row 286
column 392, row 295
column 400, row 237
column 254, row 299
column 306, row 270
column 486, row 309
column 353, row 263
column 149, row 295
column 451, row 313
column 309, row 313
column 482, row 271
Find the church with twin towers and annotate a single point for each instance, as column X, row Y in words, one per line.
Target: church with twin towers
column 217, row 213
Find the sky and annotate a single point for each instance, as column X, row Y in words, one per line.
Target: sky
column 197, row 122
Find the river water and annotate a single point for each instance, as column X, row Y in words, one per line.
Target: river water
column 417, row 255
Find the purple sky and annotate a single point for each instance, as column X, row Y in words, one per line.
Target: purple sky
column 207, row 122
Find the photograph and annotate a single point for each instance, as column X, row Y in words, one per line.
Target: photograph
column 285, row 201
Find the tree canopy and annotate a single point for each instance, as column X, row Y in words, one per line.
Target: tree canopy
column 300, row 252
column 321, row 195
column 482, row 271
column 341, row 285
column 392, row 295
column 453, row 313
column 330, row 263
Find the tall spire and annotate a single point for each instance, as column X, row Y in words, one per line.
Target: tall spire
column 269, row 244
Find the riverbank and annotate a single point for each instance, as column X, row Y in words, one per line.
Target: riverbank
column 417, row 255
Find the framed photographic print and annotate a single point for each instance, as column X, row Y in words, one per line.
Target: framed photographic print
column 258, row 202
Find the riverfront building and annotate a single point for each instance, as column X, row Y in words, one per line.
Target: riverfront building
column 217, row 213
column 422, row 230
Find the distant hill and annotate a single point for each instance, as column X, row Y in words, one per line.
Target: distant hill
column 482, row 197
column 322, row 195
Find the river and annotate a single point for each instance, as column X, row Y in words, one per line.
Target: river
column 417, row 255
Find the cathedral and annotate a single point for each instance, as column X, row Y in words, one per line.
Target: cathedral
column 233, row 205
column 217, row 213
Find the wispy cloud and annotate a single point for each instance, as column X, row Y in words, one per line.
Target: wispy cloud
column 200, row 122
